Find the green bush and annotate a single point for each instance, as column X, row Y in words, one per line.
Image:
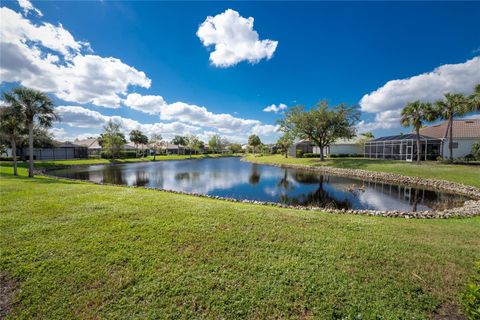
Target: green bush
column 476, row 150
column 311, row 155
column 122, row 155
column 299, row 154
column 471, row 296
column 346, row 155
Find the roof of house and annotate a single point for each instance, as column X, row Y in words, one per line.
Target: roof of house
column 409, row 136
column 354, row 140
column 68, row 145
column 467, row 128
column 90, row 143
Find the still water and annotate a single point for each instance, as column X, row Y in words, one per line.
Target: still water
column 230, row 177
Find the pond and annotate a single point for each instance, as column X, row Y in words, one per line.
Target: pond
column 232, row 178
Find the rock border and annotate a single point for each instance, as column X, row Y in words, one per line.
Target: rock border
column 470, row 208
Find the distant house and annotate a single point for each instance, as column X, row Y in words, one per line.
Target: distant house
column 465, row 133
column 341, row 146
column 302, row 147
column 91, row 144
column 352, row 146
column 61, row 151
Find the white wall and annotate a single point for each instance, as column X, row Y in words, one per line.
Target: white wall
column 464, row 147
column 346, row 149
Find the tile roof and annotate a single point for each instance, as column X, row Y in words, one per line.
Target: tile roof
column 91, row 143
column 468, row 128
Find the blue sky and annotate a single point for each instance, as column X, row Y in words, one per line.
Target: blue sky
column 305, row 52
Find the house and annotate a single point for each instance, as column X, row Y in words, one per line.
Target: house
column 302, row 147
column 341, row 146
column 465, row 133
column 91, row 144
column 61, row 151
column 352, row 146
column 402, row 147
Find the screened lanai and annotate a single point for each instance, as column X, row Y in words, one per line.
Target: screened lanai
column 402, row 147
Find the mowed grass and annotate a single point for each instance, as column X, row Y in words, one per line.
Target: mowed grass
column 465, row 174
column 79, row 250
column 75, row 162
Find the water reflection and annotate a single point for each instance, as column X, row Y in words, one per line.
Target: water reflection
column 230, row 177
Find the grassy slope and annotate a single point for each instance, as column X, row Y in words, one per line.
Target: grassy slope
column 83, row 250
column 47, row 163
column 469, row 175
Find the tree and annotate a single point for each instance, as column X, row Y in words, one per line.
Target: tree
column 415, row 114
column 179, row 141
column 254, row 141
column 475, row 99
column 193, row 143
column 453, row 105
column 137, row 137
column 476, row 150
column 156, row 142
column 284, row 142
column 235, row 147
column 11, row 122
column 217, row 143
column 321, row 125
column 38, row 110
column 112, row 139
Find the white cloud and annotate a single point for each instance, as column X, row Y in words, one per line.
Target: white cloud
column 431, row 86
column 388, row 100
column 234, row 39
column 27, row 6
column 147, row 104
column 275, row 109
column 80, row 117
column 48, row 58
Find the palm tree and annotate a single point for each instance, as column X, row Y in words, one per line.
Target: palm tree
column 37, row 109
column 475, row 99
column 415, row 114
column 11, row 122
column 453, row 105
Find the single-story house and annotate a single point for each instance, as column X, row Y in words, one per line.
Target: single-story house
column 352, row 146
column 61, row 151
column 402, row 147
column 91, row 144
column 304, row 146
column 465, row 133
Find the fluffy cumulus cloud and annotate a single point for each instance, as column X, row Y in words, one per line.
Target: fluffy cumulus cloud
column 48, row 58
column 274, row 108
column 234, row 39
column 27, row 7
column 80, row 117
column 147, row 104
column 388, row 100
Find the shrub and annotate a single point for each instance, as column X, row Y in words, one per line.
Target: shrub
column 346, row 155
column 476, row 150
column 471, row 296
column 311, row 155
column 299, row 154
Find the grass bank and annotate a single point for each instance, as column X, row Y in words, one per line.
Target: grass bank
column 75, row 162
column 78, row 250
column 469, row 175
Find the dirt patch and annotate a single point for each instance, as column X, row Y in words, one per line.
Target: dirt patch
column 8, row 288
column 448, row 311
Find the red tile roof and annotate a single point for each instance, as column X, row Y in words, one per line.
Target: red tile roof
column 461, row 129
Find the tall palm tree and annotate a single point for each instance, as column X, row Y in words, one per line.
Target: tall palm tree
column 453, row 105
column 415, row 114
column 475, row 99
column 11, row 123
column 37, row 108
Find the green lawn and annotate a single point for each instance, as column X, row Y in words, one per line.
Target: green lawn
column 47, row 163
column 79, row 250
column 465, row 174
